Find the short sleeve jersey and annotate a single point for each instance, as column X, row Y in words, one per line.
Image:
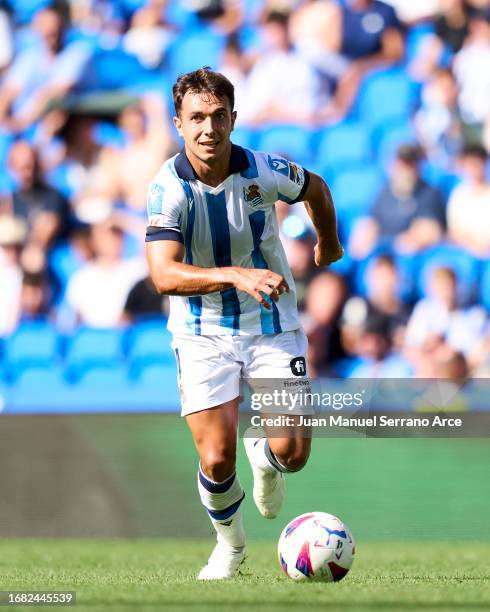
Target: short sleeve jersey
column 233, row 224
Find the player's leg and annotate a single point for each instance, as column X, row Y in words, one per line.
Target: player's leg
column 209, row 381
column 277, row 450
column 215, row 436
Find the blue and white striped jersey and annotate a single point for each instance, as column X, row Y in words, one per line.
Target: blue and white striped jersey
column 233, row 224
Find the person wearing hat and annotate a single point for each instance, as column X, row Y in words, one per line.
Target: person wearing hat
column 408, row 213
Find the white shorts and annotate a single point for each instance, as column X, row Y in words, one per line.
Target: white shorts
column 210, row 367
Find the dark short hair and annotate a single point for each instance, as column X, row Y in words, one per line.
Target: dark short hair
column 474, row 150
column 410, row 153
column 203, row 80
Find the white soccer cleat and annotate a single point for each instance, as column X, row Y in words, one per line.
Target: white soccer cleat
column 269, row 486
column 223, row 562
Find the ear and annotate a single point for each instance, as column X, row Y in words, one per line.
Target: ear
column 233, row 119
column 178, row 125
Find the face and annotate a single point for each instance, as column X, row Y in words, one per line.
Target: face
column 23, row 163
column 473, row 169
column 48, row 25
column 205, row 123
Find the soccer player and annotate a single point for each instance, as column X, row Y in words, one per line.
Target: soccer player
column 213, row 246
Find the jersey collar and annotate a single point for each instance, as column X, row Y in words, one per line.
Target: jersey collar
column 238, row 163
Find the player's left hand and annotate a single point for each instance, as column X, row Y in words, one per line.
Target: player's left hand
column 326, row 256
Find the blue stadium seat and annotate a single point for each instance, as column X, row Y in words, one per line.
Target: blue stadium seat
column 158, row 376
column 193, row 49
column 384, row 96
column 150, row 341
column 34, row 343
column 40, row 380
column 449, row 255
column 243, row 136
column 290, row 140
column 391, row 136
column 485, row 285
column 342, row 144
column 94, row 347
column 110, row 378
column 355, row 190
column 24, row 10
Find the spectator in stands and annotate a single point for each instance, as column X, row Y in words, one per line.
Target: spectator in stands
column 373, row 348
column 383, row 293
column 283, row 87
column 439, row 316
column 124, row 173
column 13, row 233
column 225, row 15
column 6, row 39
column 324, row 300
column 144, row 300
column 371, row 38
column 98, row 291
column 408, row 213
column 438, row 121
column 316, row 30
column 471, row 68
column 148, row 36
column 44, row 208
column 80, row 172
column 468, row 211
column 41, row 73
column 35, row 296
column 450, row 32
column 235, row 65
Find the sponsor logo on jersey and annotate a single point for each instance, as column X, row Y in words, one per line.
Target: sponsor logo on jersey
column 155, row 220
column 155, row 200
column 298, row 366
column 252, row 195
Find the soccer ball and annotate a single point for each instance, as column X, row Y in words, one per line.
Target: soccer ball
column 316, row 546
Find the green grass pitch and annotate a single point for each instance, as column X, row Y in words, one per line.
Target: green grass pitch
column 160, row 575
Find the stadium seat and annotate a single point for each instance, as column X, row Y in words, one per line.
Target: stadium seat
column 193, row 49
column 93, row 347
column 157, row 376
column 449, row 255
column 24, row 10
column 355, row 190
column 485, row 285
column 290, row 140
column 417, row 36
column 390, row 137
column 243, row 137
column 34, row 343
column 342, row 144
column 110, row 378
column 149, row 341
column 394, row 89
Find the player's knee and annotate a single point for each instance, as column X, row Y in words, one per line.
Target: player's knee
column 218, row 464
column 295, row 461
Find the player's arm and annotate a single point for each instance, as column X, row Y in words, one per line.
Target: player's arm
column 173, row 277
column 320, row 208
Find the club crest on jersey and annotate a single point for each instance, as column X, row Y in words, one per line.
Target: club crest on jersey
column 155, row 199
column 252, row 195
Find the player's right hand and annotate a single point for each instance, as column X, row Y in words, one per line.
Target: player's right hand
column 259, row 283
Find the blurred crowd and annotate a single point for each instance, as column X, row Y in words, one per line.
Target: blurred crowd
column 85, row 123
